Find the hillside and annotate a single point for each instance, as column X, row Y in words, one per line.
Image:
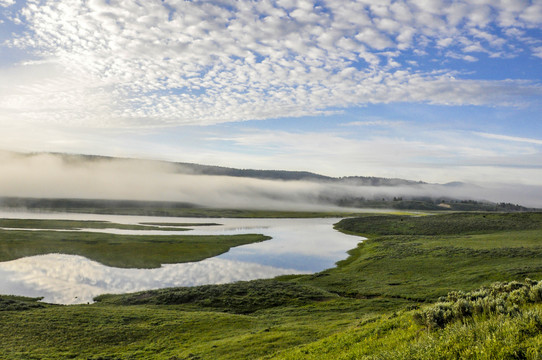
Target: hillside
column 287, row 175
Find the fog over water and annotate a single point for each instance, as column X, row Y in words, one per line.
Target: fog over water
column 51, row 176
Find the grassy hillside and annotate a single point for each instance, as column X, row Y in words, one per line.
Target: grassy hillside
column 502, row 321
column 396, row 297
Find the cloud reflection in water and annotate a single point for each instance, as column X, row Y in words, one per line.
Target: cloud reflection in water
column 69, row 279
column 297, row 246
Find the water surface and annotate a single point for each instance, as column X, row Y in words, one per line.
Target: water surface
column 297, row 246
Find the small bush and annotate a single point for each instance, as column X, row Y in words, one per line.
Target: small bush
column 500, row 298
column 14, row 304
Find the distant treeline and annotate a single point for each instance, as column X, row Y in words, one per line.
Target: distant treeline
column 98, row 206
column 423, row 203
column 152, row 208
column 39, row 203
column 169, row 208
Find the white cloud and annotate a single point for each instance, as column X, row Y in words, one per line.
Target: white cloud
column 406, row 152
column 533, row 13
column 6, row 3
column 469, row 58
column 373, row 38
column 377, row 122
column 511, row 138
column 454, row 55
column 537, row 51
column 130, row 64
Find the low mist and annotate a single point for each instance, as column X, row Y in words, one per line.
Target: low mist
column 59, row 176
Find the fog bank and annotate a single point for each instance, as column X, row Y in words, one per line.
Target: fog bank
column 55, row 176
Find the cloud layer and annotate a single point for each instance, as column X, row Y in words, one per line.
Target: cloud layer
column 160, row 63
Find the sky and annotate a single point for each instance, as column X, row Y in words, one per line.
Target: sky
column 431, row 90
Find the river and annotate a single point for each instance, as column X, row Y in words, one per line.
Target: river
column 298, row 246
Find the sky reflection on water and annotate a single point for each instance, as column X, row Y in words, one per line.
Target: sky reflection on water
column 297, row 246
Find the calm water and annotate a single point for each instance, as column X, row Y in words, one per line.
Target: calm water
column 297, row 246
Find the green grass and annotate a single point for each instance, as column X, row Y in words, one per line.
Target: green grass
column 502, row 321
column 241, row 297
column 164, row 331
column 18, row 303
column 125, row 251
column 401, row 259
column 448, row 224
column 376, row 304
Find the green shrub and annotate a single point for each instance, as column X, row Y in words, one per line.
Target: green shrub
column 13, row 303
column 501, row 298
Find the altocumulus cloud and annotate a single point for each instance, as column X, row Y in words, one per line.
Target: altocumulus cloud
column 160, row 63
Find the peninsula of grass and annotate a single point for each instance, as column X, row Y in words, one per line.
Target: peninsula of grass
column 418, row 288
column 124, row 251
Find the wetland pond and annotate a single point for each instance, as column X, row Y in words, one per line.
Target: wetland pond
column 297, row 246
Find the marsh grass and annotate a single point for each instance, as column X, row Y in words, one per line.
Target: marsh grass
column 125, row 251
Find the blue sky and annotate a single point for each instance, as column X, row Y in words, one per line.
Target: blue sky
column 431, row 90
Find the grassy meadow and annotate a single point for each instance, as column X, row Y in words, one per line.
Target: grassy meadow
column 446, row 286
